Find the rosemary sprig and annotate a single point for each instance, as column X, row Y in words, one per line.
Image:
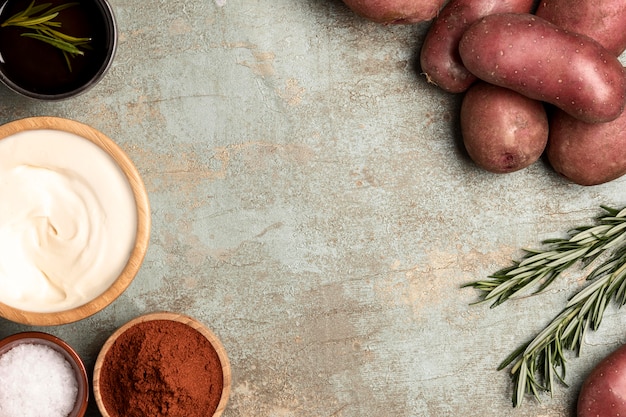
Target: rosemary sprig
column 539, row 268
column 43, row 27
column 540, row 363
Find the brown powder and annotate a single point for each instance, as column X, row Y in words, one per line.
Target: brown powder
column 161, row 368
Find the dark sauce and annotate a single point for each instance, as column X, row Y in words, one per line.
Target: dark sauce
column 41, row 68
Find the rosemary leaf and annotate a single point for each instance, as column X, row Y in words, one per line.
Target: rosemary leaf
column 67, row 60
column 537, row 258
column 60, row 35
column 566, row 257
column 522, row 384
column 35, row 21
column 57, row 43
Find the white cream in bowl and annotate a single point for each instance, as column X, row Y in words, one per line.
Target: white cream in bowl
column 68, row 220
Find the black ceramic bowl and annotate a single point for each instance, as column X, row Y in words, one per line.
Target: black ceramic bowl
column 36, row 69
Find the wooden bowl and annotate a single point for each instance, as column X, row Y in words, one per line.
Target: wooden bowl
column 66, row 351
column 141, row 235
column 102, row 360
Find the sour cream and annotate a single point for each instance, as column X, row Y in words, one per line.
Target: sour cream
column 68, row 220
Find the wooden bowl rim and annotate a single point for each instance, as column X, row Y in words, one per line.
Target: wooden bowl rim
column 171, row 316
column 68, row 352
column 143, row 221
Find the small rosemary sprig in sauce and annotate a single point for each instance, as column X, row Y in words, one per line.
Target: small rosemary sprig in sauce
column 540, row 363
column 39, row 19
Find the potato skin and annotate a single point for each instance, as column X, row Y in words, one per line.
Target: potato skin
column 604, row 391
column 584, row 153
column 542, row 61
column 503, row 131
column 439, row 55
column 395, row 11
column 602, row 20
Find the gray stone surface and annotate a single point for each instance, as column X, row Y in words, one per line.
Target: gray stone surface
column 312, row 205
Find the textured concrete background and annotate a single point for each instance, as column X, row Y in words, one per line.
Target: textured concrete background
column 311, row 204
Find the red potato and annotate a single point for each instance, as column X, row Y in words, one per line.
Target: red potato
column 603, row 393
column 584, row 153
column 439, row 55
column 602, row 20
column 396, row 11
column 503, row 131
column 536, row 58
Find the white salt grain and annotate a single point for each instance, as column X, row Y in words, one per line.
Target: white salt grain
column 36, row 381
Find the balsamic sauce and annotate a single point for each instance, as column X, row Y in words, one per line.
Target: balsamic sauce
column 41, row 68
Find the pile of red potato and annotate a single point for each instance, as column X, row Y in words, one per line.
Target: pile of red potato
column 536, row 77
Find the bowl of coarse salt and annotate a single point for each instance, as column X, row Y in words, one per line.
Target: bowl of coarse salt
column 40, row 372
column 74, row 221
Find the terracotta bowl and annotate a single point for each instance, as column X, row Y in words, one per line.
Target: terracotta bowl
column 133, row 264
column 68, row 353
column 101, row 365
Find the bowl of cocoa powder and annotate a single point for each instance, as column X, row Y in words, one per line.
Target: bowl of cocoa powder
column 162, row 365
